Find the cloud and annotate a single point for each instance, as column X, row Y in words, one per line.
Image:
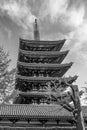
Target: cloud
column 59, row 10
column 53, row 8
column 75, row 16
column 18, row 11
column 70, row 15
column 79, row 40
column 9, row 32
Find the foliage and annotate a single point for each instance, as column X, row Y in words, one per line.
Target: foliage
column 7, row 78
column 67, row 95
column 84, row 95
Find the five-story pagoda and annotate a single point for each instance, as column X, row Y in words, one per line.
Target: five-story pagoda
column 38, row 63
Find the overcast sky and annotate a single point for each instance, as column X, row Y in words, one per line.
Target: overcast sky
column 58, row 19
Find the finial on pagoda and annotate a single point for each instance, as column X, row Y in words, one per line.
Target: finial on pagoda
column 36, row 31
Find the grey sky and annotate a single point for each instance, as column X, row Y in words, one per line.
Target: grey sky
column 58, row 19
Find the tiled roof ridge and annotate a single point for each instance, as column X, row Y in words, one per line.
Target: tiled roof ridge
column 41, row 78
column 44, row 65
column 30, row 105
column 42, row 52
column 38, row 41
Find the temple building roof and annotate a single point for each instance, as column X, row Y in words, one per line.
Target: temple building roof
column 43, row 66
column 54, row 57
column 36, row 79
column 36, row 111
column 40, row 42
column 32, row 45
column 44, row 79
column 41, row 53
column 34, row 94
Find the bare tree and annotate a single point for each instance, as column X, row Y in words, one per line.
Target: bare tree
column 7, row 78
column 70, row 100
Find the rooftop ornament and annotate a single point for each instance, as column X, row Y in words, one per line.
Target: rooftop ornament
column 36, row 31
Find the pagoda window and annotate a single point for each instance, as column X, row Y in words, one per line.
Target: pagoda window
column 49, row 72
column 36, row 100
column 26, row 48
column 39, row 87
column 45, row 60
column 54, row 73
column 58, row 60
column 36, row 60
column 60, row 71
column 32, row 101
column 42, row 60
column 28, row 60
column 34, row 48
column 42, row 100
column 38, row 72
column 49, row 60
column 33, row 60
column 33, row 86
column 25, row 58
column 45, row 73
column 21, row 57
column 31, row 49
column 39, row 59
column 54, row 60
column 32, row 72
column 63, row 71
column 35, row 72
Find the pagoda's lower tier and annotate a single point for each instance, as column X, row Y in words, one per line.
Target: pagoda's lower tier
column 32, row 45
column 36, row 128
column 24, row 83
column 51, row 70
column 41, row 57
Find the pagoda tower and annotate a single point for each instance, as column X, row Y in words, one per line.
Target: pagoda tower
column 38, row 63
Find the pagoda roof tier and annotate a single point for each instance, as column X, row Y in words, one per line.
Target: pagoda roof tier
column 45, row 66
column 42, row 54
column 40, row 42
column 41, row 57
column 25, row 44
column 45, row 79
column 36, row 79
column 34, row 94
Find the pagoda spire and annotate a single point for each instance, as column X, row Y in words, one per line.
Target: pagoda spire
column 36, row 31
